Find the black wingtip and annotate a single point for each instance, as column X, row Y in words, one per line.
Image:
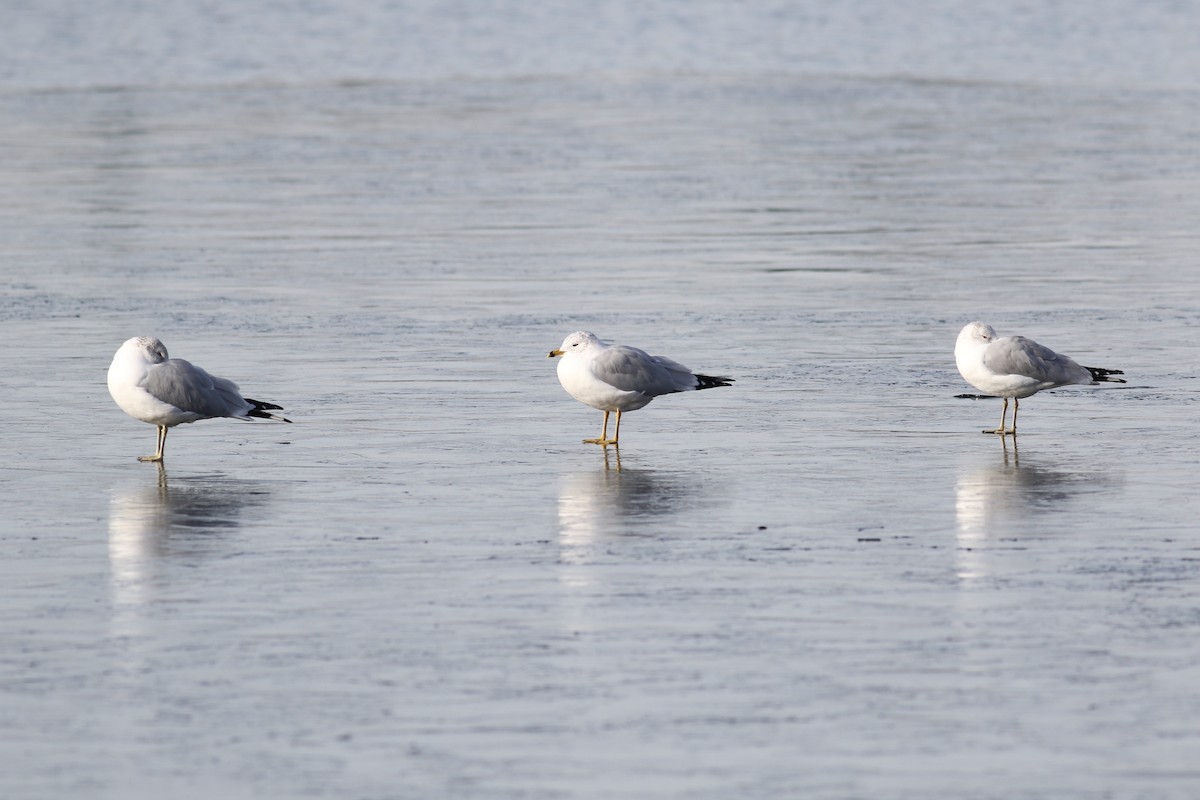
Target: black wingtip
column 712, row 381
column 263, row 410
column 1101, row 375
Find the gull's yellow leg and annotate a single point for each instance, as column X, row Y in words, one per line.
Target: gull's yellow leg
column 162, row 443
column 603, row 431
column 1016, row 405
column 1003, row 416
column 604, row 440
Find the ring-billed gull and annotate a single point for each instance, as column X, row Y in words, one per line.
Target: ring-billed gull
column 1016, row 367
column 620, row 378
column 166, row 392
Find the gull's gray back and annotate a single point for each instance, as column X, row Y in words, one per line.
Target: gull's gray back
column 188, row 387
column 633, row 370
column 1016, row 355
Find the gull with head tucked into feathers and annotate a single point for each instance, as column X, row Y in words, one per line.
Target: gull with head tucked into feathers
column 166, row 392
column 1016, row 367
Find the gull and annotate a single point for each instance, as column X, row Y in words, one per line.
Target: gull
column 621, row 378
column 166, row 392
column 1016, row 367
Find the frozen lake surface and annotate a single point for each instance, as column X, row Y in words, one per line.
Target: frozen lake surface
column 822, row 582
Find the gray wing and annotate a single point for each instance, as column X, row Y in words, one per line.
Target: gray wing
column 189, row 388
column 1016, row 355
column 633, row 370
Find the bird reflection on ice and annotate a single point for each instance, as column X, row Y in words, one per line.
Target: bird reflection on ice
column 1008, row 500
column 596, row 506
column 602, row 512
column 150, row 524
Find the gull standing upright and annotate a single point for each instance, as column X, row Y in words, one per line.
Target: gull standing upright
column 1016, row 367
column 166, row 392
column 621, row 378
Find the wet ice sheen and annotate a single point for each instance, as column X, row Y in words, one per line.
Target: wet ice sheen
column 822, row 584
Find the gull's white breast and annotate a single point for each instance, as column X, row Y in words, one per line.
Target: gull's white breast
column 126, row 378
column 976, row 373
column 577, row 377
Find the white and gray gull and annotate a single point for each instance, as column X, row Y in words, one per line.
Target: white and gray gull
column 1016, row 367
column 621, row 378
column 166, row 392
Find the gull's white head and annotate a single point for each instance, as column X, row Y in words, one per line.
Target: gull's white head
column 576, row 343
column 147, row 348
column 977, row 333
column 129, row 367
